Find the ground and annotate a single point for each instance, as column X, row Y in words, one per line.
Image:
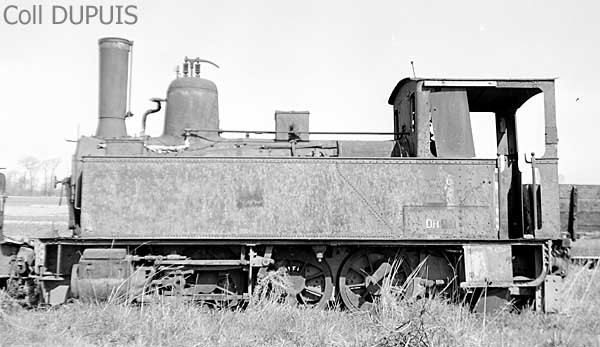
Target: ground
column 424, row 322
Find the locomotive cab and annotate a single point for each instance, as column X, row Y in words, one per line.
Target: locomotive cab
column 432, row 120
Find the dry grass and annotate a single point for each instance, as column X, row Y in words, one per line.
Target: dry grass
column 396, row 322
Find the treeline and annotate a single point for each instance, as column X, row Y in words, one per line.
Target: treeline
column 33, row 176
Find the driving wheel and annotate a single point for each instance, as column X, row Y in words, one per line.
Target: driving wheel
column 363, row 274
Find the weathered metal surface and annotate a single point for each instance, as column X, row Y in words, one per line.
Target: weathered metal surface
column 124, row 146
column 552, row 293
column 549, row 199
column 192, row 103
column 102, row 273
column 57, row 295
column 114, row 74
column 365, row 149
column 444, row 221
column 519, row 85
column 486, row 264
column 452, row 124
column 291, row 125
column 286, row 198
column 406, row 122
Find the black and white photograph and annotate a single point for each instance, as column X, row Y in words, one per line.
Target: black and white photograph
column 299, row 173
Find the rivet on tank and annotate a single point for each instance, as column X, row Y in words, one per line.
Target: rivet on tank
column 192, row 102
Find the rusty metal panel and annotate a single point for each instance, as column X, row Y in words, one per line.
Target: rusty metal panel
column 445, row 221
column 552, row 293
column 486, row 263
column 121, row 146
column 550, row 201
column 365, row 149
column 452, row 124
column 294, row 122
column 286, row 198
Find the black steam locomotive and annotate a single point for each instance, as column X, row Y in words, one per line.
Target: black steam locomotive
column 202, row 216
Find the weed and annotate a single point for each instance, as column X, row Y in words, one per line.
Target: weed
column 398, row 320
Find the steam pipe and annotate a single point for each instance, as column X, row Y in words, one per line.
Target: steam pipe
column 113, row 86
column 150, row 111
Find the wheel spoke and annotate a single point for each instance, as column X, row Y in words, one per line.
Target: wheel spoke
column 302, row 270
column 371, row 270
column 354, row 277
column 356, row 288
column 313, row 291
column 311, row 277
column 359, row 271
column 357, row 285
column 305, row 267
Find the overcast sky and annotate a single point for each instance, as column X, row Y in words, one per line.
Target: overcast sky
column 337, row 59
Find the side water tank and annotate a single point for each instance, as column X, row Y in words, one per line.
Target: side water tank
column 192, row 103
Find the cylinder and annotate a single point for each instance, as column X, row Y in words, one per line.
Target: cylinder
column 114, row 75
column 192, row 103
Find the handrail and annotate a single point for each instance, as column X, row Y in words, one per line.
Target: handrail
column 220, row 131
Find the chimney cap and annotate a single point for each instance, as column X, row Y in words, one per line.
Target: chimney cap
column 116, row 40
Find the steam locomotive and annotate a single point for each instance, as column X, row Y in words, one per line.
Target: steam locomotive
column 197, row 215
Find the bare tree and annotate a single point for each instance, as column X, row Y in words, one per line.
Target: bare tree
column 31, row 164
column 16, row 182
column 49, row 169
column 32, row 176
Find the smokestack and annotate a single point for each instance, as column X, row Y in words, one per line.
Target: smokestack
column 114, row 74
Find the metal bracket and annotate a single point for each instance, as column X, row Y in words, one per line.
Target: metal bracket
column 319, row 252
column 258, row 261
column 532, row 161
column 266, row 258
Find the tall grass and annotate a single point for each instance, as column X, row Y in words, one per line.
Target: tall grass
column 267, row 321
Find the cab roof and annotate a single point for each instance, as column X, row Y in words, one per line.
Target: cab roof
column 471, row 83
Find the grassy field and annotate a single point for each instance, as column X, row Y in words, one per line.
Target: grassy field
column 395, row 322
column 35, row 216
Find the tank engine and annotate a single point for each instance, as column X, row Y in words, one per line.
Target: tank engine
column 197, row 215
